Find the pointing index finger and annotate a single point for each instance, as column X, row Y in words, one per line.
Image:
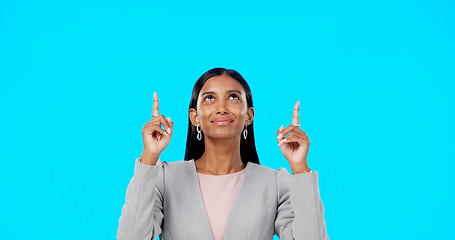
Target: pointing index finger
column 295, row 117
column 156, row 105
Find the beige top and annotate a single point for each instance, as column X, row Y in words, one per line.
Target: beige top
column 218, row 192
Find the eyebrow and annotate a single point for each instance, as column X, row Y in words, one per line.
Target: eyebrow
column 228, row 91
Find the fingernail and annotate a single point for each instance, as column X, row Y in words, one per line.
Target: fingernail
column 169, row 130
column 165, row 133
column 280, row 136
column 282, row 127
column 159, row 137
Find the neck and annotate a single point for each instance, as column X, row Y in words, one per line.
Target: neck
column 221, row 156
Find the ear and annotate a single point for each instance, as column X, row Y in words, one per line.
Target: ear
column 250, row 115
column 193, row 117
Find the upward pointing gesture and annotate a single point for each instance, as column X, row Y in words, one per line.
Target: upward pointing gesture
column 295, row 145
column 156, row 105
column 295, row 116
column 154, row 137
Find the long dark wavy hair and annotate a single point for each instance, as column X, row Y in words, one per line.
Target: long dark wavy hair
column 195, row 148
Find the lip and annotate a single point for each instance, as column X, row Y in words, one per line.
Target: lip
column 222, row 121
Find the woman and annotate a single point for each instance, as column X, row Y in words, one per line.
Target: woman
column 220, row 191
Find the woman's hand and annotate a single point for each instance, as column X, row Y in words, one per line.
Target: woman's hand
column 295, row 145
column 154, row 137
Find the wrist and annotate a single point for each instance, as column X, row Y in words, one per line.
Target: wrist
column 300, row 168
column 148, row 159
column 303, row 171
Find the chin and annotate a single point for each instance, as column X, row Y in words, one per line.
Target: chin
column 223, row 135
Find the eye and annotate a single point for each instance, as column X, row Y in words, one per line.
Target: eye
column 234, row 96
column 208, row 97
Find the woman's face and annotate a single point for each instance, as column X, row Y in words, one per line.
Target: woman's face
column 222, row 110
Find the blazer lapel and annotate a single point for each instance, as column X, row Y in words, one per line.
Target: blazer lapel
column 236, row 221
column 202, row 220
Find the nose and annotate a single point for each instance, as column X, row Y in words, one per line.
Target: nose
column 221, row 107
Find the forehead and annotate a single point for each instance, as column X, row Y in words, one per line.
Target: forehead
column 221, row 83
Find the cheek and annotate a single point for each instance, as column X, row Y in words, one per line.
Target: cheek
column 203, row 114
column 242, row 111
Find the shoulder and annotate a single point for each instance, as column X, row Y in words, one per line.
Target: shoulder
column 181, row 167
column 269, row 180
column 177, row 164
column 266, row 174
column 264, row 170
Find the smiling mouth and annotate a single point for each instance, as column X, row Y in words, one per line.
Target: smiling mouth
column 222, row 122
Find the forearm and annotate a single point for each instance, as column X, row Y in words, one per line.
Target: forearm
column 140, row 216
column 309, row 220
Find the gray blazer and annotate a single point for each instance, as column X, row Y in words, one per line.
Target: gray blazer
column 166, row 200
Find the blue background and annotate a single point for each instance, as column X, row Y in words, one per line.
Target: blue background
column 375, row 80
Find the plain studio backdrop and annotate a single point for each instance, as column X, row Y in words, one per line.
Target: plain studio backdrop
column 375, row 80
